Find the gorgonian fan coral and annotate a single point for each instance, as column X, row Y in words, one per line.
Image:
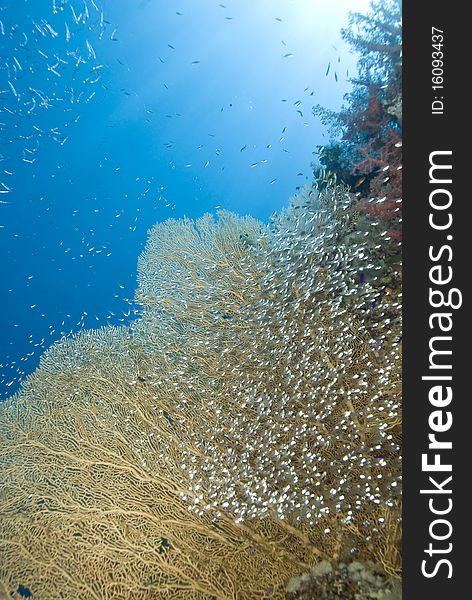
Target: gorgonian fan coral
column 246, row 427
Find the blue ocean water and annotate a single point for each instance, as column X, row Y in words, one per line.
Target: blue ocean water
column 117, row 114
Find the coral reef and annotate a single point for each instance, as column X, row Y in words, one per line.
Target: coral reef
column 365, row 149
column 355, row 580
column 246, row 427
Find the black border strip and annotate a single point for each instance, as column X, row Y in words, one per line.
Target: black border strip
column 424, row 133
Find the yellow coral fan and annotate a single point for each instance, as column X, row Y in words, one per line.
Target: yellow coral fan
column 243, row 429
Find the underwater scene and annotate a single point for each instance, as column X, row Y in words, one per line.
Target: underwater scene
column 200, row 353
